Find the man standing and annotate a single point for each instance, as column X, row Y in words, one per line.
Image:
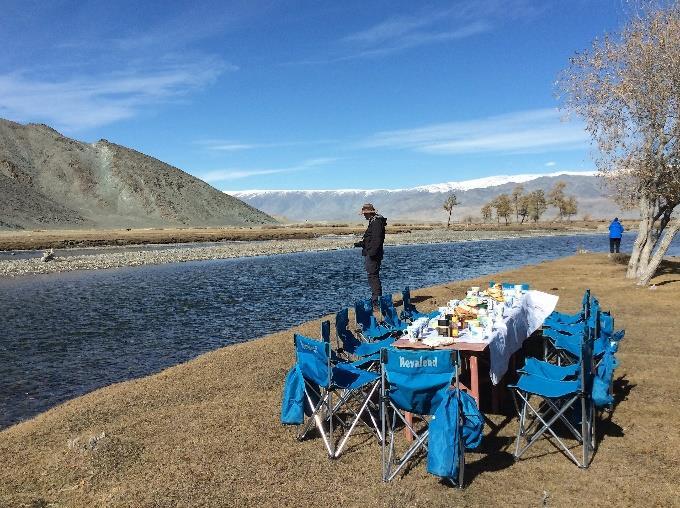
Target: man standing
column 615, row 231
column 372, row 250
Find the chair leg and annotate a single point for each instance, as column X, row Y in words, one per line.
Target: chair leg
column 319, row 425
column 357, row 417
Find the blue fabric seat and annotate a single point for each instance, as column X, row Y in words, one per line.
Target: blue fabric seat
column 409, row 311
column 356, row 350
column 369, row 328
column 547, row 370
column 390, row 317
column 560, row 318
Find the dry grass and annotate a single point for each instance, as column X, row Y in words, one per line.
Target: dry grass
column 206, row 433
column 45, row 239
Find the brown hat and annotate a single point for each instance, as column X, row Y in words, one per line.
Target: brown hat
column 368, row 208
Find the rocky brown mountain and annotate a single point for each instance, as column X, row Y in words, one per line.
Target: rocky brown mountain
column 49, row 181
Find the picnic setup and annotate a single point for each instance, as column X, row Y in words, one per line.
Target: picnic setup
column 415, row 385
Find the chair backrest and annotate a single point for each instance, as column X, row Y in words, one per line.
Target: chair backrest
column 594, row 304
column 606, row 325
column 585, row 301
column 417, row 381
column 406, row 299
column 388, row 311
column 349, row 341
column 326, row 331
column 313, row 358
column 591, row 332
column 363, row 310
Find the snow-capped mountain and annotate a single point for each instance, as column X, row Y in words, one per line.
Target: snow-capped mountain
column 425, row 202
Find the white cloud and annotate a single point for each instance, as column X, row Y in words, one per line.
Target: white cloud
column 81, row 102
column 221, row 175
column 402, row 32
column 551, row 164
column 460, row 21
column 419, row 38
column 526, row 131
column 233, row 146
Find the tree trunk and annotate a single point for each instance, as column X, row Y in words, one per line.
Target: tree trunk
column 644, row 236
column 647, row 249
column 449, row 222
column 668, row 236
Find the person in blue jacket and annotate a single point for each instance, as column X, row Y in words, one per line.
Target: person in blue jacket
column 615, row 231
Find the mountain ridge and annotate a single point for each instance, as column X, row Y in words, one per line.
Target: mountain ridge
column 425, row 202
column 48, row 180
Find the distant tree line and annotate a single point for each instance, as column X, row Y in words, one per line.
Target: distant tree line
column 531, row 205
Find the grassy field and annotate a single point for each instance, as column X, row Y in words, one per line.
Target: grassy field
column 206, row 433
column 45, row 239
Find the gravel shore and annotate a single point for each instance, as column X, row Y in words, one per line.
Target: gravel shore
column 100, row 259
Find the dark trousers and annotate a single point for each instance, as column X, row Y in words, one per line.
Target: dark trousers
column 614, row 244
column 373, row 271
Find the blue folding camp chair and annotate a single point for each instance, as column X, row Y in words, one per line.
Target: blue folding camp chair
column 565, row 344
column 409, row 311
column 390, row 316
column 331, row 391
column 554, row 331
column 420, row 382
column 556, row 319
column 369, row 328
column 354, row 349
column 547, row 396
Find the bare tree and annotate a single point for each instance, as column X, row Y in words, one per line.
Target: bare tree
column 516, row 197
column 450, row 202
column 557, row 198
column 627, row 89
column 570, row 207
column 487, row 212
column 503, row 206
column 536, row 204
column 523, row 208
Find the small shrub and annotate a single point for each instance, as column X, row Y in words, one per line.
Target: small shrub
column 619, row 258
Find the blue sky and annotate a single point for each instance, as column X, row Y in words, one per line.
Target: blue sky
column 307, row 94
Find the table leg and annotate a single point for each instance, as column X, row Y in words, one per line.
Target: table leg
column 495, row 399
column 407, row 433
column 474, row 378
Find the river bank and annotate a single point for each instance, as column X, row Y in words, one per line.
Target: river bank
column 102, row 257
column 206, row 433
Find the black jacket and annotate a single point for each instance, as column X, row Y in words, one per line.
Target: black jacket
column 374, row 237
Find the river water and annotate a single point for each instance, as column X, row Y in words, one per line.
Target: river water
column 63, row 335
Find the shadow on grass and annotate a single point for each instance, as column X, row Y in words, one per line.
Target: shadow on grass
column 606, row 427
column 667, row 267
column 495, row 458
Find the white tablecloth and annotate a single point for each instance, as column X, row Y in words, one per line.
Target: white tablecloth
column 519, row 322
